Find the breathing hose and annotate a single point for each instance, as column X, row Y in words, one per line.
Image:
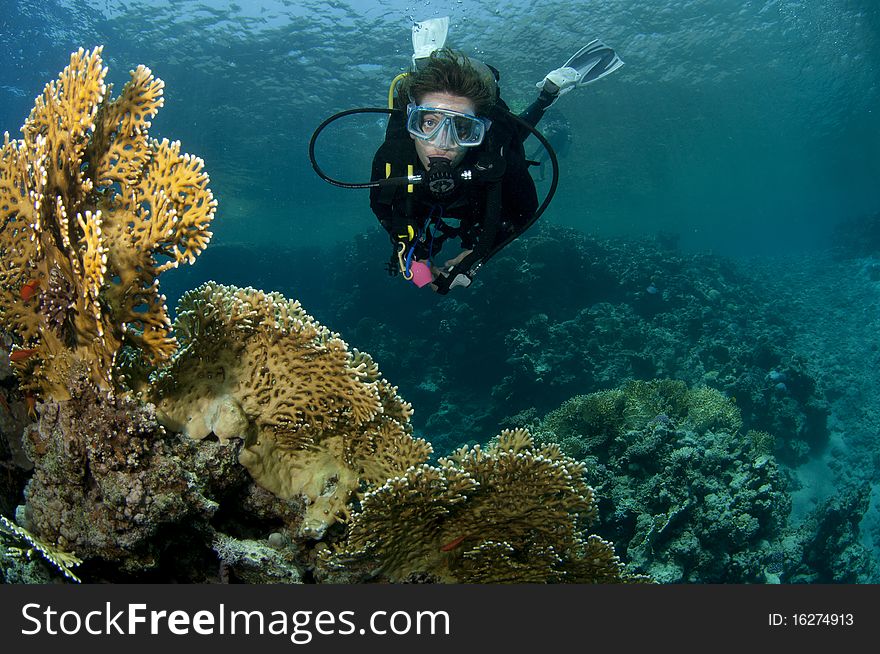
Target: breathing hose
column 418, row 179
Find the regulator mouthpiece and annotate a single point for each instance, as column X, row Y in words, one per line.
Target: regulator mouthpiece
column 440, row 178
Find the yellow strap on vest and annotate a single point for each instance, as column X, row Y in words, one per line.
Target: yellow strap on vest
column 409, row 172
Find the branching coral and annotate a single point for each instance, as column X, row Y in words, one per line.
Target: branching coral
column 509, row 513
column 255, row 562
column 318, row 419
column 92, row 211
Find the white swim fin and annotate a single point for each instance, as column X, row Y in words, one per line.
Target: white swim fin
column 589, row 64
column 428, row 36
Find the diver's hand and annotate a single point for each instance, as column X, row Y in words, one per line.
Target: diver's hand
column 454, row 262
column 448, row 265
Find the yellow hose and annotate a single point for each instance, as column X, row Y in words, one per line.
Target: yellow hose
column 391, row 89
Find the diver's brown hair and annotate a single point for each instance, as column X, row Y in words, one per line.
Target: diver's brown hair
column 448, row 71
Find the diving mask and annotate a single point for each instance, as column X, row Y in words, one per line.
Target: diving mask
column 446, row 128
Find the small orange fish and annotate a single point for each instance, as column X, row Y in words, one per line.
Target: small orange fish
column 30, row 289
column 451, row 545
column 31, row 403
column 21, row 355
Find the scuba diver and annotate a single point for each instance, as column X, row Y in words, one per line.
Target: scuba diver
column 453, row 163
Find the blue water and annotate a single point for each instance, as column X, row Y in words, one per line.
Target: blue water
column 748, row 129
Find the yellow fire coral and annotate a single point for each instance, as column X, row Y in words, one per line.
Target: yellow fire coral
column 506, row 514
column 92, row 211
column 62, row 560
column 317, row 419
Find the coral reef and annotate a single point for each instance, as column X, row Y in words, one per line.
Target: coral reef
column 590, row 313
column 509, row 513
column 682, row 492
column 833, row 297
column 92, row 211
column 827, row 548
column 257, row 562
column 249, row 443
column 236, row 449
column 107, row 480
column 318, row 420
column 137, row 502
column 657, row 313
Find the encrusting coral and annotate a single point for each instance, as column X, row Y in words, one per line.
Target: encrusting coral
column 510, row 513
column 684, row 493
column 106, row 479
column 317, row 419
column 92, row 211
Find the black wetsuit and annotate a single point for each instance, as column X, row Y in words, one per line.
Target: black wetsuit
column 464, row 213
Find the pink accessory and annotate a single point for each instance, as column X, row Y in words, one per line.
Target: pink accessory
column 421, row 274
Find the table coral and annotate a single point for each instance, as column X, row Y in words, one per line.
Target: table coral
column 92, row 211
column 509, row 513
column 318, row 420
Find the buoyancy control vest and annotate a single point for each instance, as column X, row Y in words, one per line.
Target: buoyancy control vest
column 397, row 183
column 402, row 210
